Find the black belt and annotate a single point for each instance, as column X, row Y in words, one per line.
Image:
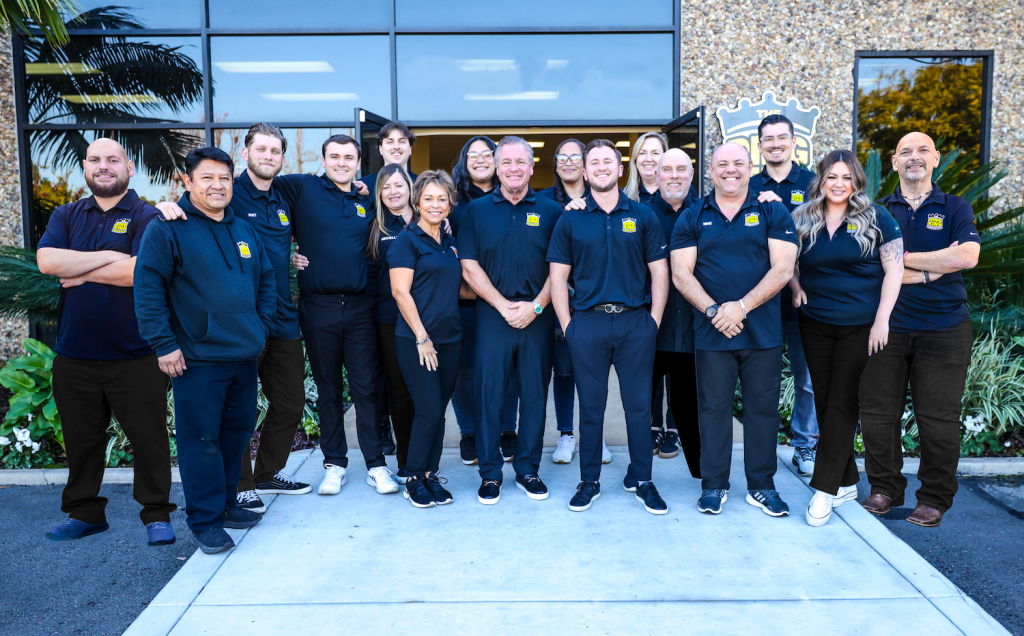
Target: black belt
column 610, row 309
column 338, row 295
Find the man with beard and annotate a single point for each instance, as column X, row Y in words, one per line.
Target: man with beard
column 281, row 366
column 103, row 365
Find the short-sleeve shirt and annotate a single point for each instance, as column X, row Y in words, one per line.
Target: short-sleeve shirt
column 97, row 321
column 844, row 285
column 437, row 276
column 385, row 310
column 939, row 221
column 609, row 252
column 676, row 331
column 732, row 258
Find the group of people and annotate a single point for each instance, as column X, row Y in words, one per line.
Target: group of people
column 420, row 290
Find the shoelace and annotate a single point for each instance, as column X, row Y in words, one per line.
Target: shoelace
column 531, row 478
column 159, row 525
column 491, row 481
column 805, row 454
column 285, row 477
column 247, row 496
column 438, row 478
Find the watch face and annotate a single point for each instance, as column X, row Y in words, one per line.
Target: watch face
column 711, row 311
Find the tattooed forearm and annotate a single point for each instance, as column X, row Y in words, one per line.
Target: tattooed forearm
column 891, row 251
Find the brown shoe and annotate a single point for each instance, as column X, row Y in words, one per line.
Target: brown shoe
column 877, row 504
column 925, row 517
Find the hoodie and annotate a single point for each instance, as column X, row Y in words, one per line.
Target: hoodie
column 205, row 287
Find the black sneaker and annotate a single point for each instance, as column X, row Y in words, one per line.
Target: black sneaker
column 387, row 440
column 669, row 445
column 213, row 540
column 769, row 501
column 489, row 493
column 239, row 518
column 629, row 482
column 249, row 500
column 532, row 486
column 508, row 445
column 417, row 493
column 711, row 501
column 585, row 495
column 468, row 449
column 648, row 495
column 402, row 476
column 282, row 484
column 656, row 439
column 441, row 496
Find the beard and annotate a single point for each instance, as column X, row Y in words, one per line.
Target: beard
column 263, row 171
column 768, row 160
column 915, row 177
column 613, row 184
column 117, row 187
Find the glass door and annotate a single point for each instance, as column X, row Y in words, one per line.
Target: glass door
column 367, row 126
column 687, row 132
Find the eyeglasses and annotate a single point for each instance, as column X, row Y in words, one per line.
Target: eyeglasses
column 474, row 155
column 562, row 159
column 767, row 141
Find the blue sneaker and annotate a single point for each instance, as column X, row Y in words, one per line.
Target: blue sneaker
column 803, row 460
column 769, row 501
column 75, row 529
column 214, row 540
column 239, row 518
column 160, row 533
column 711, row 501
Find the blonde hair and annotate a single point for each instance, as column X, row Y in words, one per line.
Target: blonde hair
column 378, row 226
column 634, row 183
column 860, row 212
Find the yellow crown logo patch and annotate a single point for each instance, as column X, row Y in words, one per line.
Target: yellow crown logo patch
column 533, row 220
column 752, row 220
column 284, row 217
column 851, row 227
column 796, row 197
column 360, row 211
column 243, row 249
column 629, row 225
column 121, row 226
column 935, row 221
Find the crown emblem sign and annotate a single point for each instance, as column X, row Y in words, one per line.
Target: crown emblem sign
column 740, row 124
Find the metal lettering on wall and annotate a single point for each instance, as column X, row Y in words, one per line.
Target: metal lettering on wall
column 740, row 125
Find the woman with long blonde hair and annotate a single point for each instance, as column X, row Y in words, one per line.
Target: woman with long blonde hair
column 643, row 166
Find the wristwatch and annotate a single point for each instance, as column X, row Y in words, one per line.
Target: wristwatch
column 744, row 308
column 711, row 311
column 537, row 308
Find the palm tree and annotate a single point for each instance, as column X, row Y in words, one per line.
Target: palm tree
column 47, row 15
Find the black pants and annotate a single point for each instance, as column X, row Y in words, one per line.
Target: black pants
column 935, row 364
column 399, row 399
column 281, row 369
column 760, row 374
column 431, row 391
column 682, row 401
column 86, row 392
column 340, row 333
column 836, row 356
column 214, row 415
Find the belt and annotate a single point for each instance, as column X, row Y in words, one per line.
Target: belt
column 338, row 295
column 610, row 309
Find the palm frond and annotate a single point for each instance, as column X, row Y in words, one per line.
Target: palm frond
column 24, row 290
column 47, row 15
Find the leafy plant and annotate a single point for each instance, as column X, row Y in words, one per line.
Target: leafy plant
column 24, row 290
column 32, row 405
column 47, row 15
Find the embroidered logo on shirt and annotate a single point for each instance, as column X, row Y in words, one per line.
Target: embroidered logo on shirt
column 456, row 251
column 253, row 215
column 533, row 220
column 707, row 222
column 752, row 220
column 243, row 249
column 935, row 221
column 361, row 211
column 121, row 226
column 629, row 225
column 851, row 228
column 284, row 217
column 797, row 197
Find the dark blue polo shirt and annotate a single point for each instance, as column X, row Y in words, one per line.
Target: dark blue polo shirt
column 732, row 258
column 331, row 227
column 385, row 309
column 549, row 193
column 676, row 332
column 269, row 214
column 97, row 321
column 609, row 252
column 844, row 286
column 473, row 192
column 510, row 241
column 939, row 221
column 435, row 283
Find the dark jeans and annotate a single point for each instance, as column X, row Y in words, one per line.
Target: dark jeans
column 760, row 374
column 836, row 356
column 86, row 392
column 281, row 369
column 935, row 364
column 399, row 400
column 214, row 417
column 431, row 391
column 682, row 401
column 340, row 332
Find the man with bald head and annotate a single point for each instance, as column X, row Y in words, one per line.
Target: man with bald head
column 930, row 341
column 103, row 365
column 731, row 254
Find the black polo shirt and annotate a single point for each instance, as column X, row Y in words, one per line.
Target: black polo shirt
column 435, row 283
column 385, row 309
column 472, row 193
column 940, row 220
column 732, row 258
column 331, row 227
column 676, row 332
column 97, row 321
column 609, row 252
column 510, row 241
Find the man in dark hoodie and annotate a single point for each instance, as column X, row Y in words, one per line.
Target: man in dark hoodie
column 206, row 299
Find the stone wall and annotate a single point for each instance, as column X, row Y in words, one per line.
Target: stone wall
column 12, row 332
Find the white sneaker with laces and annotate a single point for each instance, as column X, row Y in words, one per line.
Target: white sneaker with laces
column 820, row 509
column 846, row 493
column 334, row 479
column 606, row 456
column 563, row 452
column 380, row 478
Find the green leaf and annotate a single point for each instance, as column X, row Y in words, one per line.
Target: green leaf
column 34, row 346
column 15, row 379
column 50, row 409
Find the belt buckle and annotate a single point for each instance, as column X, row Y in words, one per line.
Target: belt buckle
column 612, row 309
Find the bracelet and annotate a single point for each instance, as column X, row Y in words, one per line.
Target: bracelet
column 425, row 340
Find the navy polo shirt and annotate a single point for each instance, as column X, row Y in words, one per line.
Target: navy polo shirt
column 510, row 241
column 269, row 214
column 676, row 331
column 732, row 258
column 97, row 321
column 939, row 221
column 472, row 193
column 843, row 286
column 549, row 193
column 609, row 252
column 331, row 227
column 435, row 283
column 385, row 309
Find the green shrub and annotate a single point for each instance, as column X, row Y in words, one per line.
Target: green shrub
column 32, row 405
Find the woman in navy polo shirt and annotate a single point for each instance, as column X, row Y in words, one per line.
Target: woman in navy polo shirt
column 848, row 277
column 426, row 281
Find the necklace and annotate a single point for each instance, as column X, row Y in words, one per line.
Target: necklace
column 916, row 199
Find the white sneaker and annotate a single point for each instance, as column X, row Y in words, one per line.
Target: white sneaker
column 846, row 493
column 380, row 478
column 606, row 456
column 334, row 479
column 566, row 447
column 820, row 509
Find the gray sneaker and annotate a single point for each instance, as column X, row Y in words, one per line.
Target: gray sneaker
column 803, row 459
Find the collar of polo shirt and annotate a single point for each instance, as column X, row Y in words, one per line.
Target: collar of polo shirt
column 592, row 205
column 126, row 203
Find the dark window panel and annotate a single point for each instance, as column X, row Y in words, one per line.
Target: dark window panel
column 534, row 13
column 300, row 14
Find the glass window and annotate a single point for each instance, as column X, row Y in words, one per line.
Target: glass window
column 535, row 13
column 113, row 79
column 300, row 78
column 310, row 14
column 302, row 154
column 535, row 77
column 140, row 14
column 942, row 97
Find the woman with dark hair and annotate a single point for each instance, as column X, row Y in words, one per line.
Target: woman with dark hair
column 474, row 176
column 848, row 276
column 568, row 167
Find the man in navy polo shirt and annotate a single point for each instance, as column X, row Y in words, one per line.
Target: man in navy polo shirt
column 503, row 242
column 790, row 182
column 930, row 341
column 103, row 365
column 609, row 248
column 394, row 141
column 731, row 254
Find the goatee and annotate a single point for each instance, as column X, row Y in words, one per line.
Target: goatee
column 118, row 187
